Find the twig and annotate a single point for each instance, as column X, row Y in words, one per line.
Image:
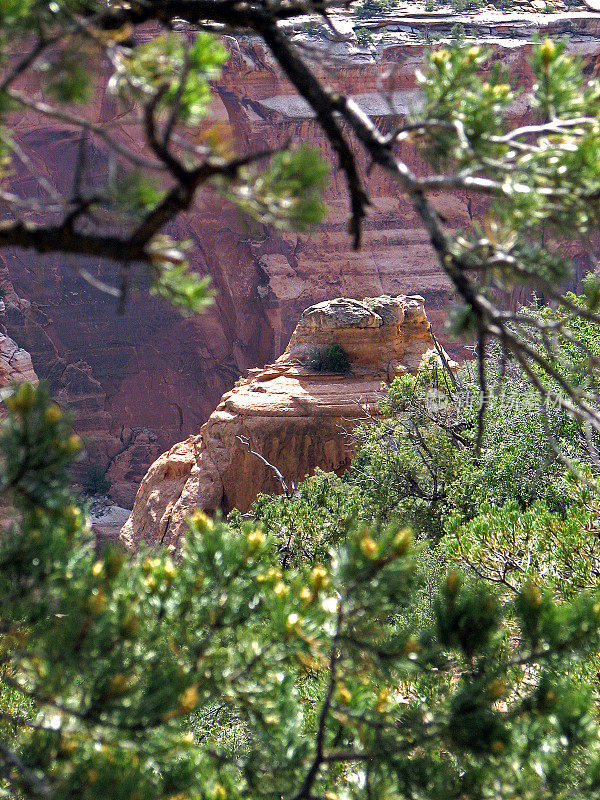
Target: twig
column 246, row 442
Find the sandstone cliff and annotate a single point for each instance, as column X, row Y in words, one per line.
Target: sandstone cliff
column 294, row 417
column 142, row 381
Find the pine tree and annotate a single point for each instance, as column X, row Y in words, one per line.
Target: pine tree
column 220, row 674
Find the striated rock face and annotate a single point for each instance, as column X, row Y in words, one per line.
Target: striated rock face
column 142, row 381
column 66, row 335
column 292, row 416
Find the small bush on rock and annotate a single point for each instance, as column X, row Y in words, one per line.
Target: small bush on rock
column 328, row 359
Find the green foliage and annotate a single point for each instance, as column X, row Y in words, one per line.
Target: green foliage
column 363, row 36
column 551, row 184
column 509, row 545
column 133, row 193
column 287, row 193
column 18, row 16
column 370, row 8
column 308, row 528
column 559, row 90
column 576, row 341
column 68, row 76
column 319, row 669
column 466, row 5
column 524, row 448
column 300, row 174
column 184, row 289
column 404, row 460
column 331, row 358
column 456, row 94
column 178, row 75
column 13, row 11
column 174, row 281
column 37, row 448
column 96, row 481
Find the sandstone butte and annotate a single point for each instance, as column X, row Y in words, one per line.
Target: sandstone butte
column 144, row 380
column 293, row 416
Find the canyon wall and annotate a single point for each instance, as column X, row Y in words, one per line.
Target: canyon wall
column 141, row 381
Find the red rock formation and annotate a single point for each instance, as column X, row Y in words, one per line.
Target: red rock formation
column 153, row 372
column 15, row 363
column 295, row 418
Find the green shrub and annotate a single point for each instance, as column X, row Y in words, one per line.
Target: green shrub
column 219, row 675
column 328, row 359
column 308, row 526
column 96, row 481
column 363, row 36
column 371, row 8
column 466, row 5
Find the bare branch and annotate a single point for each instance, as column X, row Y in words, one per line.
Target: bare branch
column 322, row 100
column 278, row 474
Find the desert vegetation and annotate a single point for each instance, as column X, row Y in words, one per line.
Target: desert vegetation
column 425, row 626
column 286, row 652
column 330, row 358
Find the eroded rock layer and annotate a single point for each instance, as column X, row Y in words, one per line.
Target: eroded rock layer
column 295, row 418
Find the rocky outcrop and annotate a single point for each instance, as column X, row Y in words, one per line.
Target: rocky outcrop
column 15, row 362
column 287, row 413
column 141, row 381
